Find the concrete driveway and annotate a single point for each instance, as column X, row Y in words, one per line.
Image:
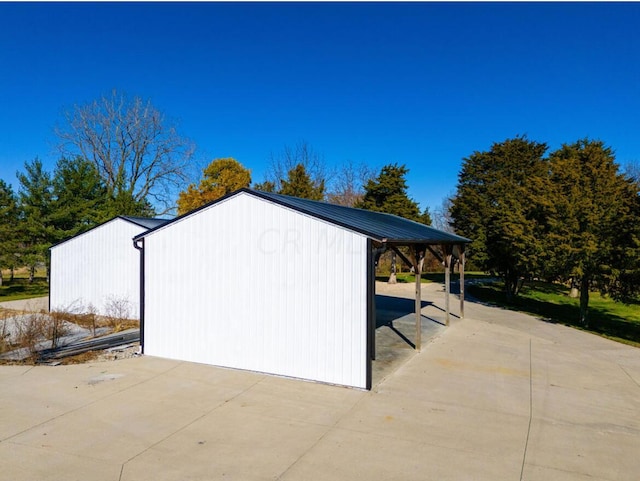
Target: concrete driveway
column 32, row 305
column 496, row 396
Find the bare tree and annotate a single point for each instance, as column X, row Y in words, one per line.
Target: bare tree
column 632, row 170
column 442, row 215
column 348, row 183
column 286, row 161
column 137, row 151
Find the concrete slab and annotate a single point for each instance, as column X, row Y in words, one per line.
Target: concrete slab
column 349, row 455
column 227, row 443
column 44, row 462
column 284, row 399
column 32, row 396
column 396, row 329
column 493, row 396
column 541, row 473
column 583, row 449
column 120, row 423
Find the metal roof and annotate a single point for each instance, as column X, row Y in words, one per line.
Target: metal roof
column 146, row 222
column 375, row 225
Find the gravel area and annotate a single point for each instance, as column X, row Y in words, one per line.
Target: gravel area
column 121, row 352
column 18, row 317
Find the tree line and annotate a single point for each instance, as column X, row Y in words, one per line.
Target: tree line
column 118, row 156
column 571, row 216
column 299, row 172
column 121, row 156
column 49, row 207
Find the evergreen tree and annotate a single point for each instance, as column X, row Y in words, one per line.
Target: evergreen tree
column 623, row 280
column 388, row 193
column 266, row 186
column 425, row 217
column 80, row 198
column 221, row 177
column 8, row 227
column 594, row 230
column 124, row 203
column 299, row 184
column 36, row 208
column 501, row 204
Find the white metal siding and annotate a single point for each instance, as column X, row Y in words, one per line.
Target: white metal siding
column 99, row 268
column 252, row 285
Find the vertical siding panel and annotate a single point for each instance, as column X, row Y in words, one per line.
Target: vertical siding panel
column 354, row 305
column 288, row 302
column 96, row 266
column 333, row 288
column 264, row 249
column 265, row 289
column 309, row 300
column 322, row 368
column 258, row 286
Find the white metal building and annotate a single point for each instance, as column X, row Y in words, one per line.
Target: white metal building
column 99, row 268
column 270, row 283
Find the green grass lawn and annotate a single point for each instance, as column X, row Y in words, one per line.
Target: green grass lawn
column 20, row 288
column 403, row 277
column 552, row 303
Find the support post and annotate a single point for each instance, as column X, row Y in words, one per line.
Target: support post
column 392, row 276
column 446, row 249
column 417, row 267
column 373, row 255
column 139, row 244
column 461, row 267
column 371, row 310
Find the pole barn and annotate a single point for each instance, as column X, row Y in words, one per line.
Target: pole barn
column 270, row 283
column 98, row 269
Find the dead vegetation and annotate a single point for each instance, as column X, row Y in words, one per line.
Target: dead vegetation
column 81, row 358
column 30, row 332
column 118, row 314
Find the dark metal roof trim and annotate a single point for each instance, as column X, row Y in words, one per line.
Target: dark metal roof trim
column 144, row 222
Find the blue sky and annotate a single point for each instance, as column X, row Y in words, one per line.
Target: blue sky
column 423, row 84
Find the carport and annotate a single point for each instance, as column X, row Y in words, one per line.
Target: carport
column 313, row 315
column 388, row 232
column 419, row 239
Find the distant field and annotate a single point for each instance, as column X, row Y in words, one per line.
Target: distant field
column 551, row 302
column 431, row 276
column 20, row 288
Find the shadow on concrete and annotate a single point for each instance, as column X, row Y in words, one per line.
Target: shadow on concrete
column 396, row 331
column 389, row 308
